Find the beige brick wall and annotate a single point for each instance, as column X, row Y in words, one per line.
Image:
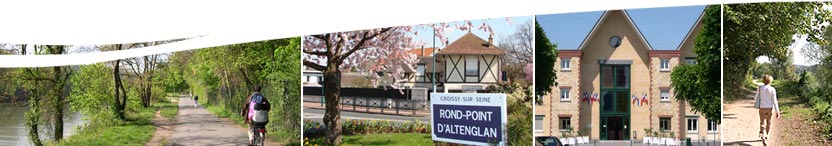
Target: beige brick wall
column 631, row 48
column 567, row 80
column 646, row 77
column 661, row 79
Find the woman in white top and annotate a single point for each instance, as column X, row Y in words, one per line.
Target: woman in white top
column 766, row 102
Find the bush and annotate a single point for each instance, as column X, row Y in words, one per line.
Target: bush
column 313, row 129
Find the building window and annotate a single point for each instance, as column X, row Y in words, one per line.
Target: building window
column 564, row 94
column 693, row 124
column 420, row 73
column 664, row 64
column 565, row 123
column 664, row 94
column 538, row 123
column 664, row 124
column 712, row 126
column 690, row 61
column 471, row 66
column 565, row 64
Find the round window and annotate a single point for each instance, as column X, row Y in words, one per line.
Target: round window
column 615, row 41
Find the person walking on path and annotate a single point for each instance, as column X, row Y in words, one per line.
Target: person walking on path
column 196, row 101
column 766, row 102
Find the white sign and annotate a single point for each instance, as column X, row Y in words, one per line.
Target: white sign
column 465, row 118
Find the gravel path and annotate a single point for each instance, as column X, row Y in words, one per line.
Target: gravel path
column 198, row 126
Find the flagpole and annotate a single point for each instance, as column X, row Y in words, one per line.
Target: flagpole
column 433, row 55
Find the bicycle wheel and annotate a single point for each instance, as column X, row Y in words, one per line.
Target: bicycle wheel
column 258, row 141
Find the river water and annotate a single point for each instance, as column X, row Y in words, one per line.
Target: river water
column 13, row 129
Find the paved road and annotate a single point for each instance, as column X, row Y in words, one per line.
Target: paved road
column 198, row 126
column 638, row 143
column 318, row 115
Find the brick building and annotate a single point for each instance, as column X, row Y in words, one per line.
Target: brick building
column 615, row 64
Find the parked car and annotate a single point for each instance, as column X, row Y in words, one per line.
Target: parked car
column 548, row 141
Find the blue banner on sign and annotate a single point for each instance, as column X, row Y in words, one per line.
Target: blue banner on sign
column 470, row 123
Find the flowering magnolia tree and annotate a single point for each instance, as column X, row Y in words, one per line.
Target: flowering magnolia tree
column 386, row 48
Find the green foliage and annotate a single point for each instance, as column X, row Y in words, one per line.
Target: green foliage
column 519, row 109
column 698, row 84
column 519, row 118
column 544, row 62
column 765, row 29
column 224, row 76
column 137, row 131
column 92, row 93
column 393, row 139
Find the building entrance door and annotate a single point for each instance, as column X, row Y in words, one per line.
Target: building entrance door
column 615, row 102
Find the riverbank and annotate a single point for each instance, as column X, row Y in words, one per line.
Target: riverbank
column 137, row 130
column 13, row 129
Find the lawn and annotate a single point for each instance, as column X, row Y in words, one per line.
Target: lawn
column 169, row 110
column 380, row 139
column 137, row 131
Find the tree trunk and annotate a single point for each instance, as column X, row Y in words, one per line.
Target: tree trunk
column 32, row 119
column 332, row 92
column 58, row 104
column 57, row 89
column 119, row 103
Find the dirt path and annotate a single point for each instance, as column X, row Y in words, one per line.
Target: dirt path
column 164, row 130
column 741, row 124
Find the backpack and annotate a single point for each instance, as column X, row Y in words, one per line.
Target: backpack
column 261, row 109
column 261, row 103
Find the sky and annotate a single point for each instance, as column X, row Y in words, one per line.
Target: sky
column 500, row 26
column 799, row 58
column 664, row 28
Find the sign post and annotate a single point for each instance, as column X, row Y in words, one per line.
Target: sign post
column 469, row 118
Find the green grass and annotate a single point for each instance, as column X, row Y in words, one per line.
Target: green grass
column 136, row 131
column 380, row 139
column 223, row 113
column 120, row 135
column 168, row 110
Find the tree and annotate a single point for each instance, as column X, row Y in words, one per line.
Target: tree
column 223, row 76
column 544, row 62
column 519, row 53
column 144, row 68
column 336, row 50
column 120, row 94
column 696, row 84
column 765, row 29
column 333, row 52
column 518, row 46
column 91, row 91
column 47, row 86
column 784, row 67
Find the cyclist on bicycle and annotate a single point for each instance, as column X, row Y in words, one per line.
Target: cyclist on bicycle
column 248, row 111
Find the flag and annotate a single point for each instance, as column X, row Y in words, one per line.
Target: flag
column 585, row 97
column 644, row 98
column 594, row 98
column 634, row 99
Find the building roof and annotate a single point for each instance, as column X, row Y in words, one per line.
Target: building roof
column 418, row 51
column 690, row 32
column 470, row 44
column 601, row 21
